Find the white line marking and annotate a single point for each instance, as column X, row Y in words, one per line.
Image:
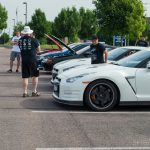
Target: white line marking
column 98, row 148
column 88, row 112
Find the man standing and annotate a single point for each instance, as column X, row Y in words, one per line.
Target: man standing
column 29, row 46
column 142, row 42
column 15, row 52
column 99, row 53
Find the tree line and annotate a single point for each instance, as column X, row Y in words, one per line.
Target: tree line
column 109, row 18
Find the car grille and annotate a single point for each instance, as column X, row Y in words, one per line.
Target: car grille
column 57, row 86
column 55, row 69
column 55, row 73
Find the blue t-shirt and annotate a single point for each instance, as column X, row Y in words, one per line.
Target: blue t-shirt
column 97, row 53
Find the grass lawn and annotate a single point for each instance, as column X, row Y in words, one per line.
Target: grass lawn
column 48, row 46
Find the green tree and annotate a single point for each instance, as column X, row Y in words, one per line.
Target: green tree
column 120, row 17
column 40, row 25
column 3, row 17
column 4, row 38
column 67, row 24
column 89, row 24
column 19, row 27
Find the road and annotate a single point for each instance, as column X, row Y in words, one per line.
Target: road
column 37, row 123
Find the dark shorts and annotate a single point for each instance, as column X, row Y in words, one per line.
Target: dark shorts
column 29, row 70
column 14, row 55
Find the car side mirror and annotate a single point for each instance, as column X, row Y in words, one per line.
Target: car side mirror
column 148, row 66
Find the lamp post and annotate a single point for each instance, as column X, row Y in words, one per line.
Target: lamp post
column 14, row 22
column 26, row 13
column 147, row 22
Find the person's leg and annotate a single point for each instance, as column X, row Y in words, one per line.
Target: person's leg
column 34, row 84
column 12, row 58
column 25, row 85
column 18, row 62
column 11, row 64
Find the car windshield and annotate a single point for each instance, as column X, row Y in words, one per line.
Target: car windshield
column 134, row 60
column 113, row 55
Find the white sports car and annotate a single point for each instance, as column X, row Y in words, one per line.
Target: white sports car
column 102, row 87
column 114, row 55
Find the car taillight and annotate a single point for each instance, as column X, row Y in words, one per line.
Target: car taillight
column 49, row 60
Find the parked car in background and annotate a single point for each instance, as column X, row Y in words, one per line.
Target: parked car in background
column 84, row 52
column 69, row 51
column 103, row 86
column 113, row 56
column 57, row 47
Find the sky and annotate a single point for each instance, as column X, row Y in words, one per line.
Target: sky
column 50, row 7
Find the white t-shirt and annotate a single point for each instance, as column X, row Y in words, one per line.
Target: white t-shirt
column 15, row 47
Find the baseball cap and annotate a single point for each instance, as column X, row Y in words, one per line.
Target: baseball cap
column 94, row 37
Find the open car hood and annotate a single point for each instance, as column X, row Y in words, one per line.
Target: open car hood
column 54, row 41
column 61, row 42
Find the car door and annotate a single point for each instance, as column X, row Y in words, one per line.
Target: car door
column 143, row 83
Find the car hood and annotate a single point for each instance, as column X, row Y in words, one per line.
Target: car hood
column 76, row 63
column 73, row 62
column 98, row 68
column 52, row 53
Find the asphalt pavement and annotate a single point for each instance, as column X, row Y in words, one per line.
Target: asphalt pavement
column 42, row 124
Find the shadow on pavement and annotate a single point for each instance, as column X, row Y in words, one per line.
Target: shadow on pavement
column 48, row 104
column 51, row 105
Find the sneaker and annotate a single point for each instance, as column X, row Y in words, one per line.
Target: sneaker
column 25, row 95
column 17, row 70
column 10, row 70
column 35, row 94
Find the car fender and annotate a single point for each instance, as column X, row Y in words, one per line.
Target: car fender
column 126, row 91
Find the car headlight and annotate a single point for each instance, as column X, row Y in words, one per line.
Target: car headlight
column 73, row 79
column 44, row 60
column 41, row 58
column 49, row 60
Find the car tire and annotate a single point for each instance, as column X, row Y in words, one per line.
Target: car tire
column 101, row 95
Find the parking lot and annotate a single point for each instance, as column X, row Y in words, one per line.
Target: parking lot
column 34, row 123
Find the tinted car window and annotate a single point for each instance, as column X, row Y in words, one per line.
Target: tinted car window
column 78, row 47
column 116, row 53
column 134, row 60
column 120, row 53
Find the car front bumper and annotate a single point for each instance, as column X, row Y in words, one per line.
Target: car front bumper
column 72, row 103
column 67, row 93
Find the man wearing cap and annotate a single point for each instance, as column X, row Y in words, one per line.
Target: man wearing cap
column 29, row 46
column 142, row 42
column 99, row 53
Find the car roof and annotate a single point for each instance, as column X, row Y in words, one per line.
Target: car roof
column 136, row 47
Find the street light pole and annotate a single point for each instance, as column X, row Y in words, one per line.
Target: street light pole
column 26, row 16
column 14, row 22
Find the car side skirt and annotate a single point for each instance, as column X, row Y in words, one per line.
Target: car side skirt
column 138, row 103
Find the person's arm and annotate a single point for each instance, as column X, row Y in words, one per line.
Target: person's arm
column 13, row 42
column 136, row 42
column 38, row 50
column 37, row 45
column 147, row 44
column 106, row 56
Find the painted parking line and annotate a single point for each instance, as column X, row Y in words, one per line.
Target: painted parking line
column 98, row 148
column 89, row 112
